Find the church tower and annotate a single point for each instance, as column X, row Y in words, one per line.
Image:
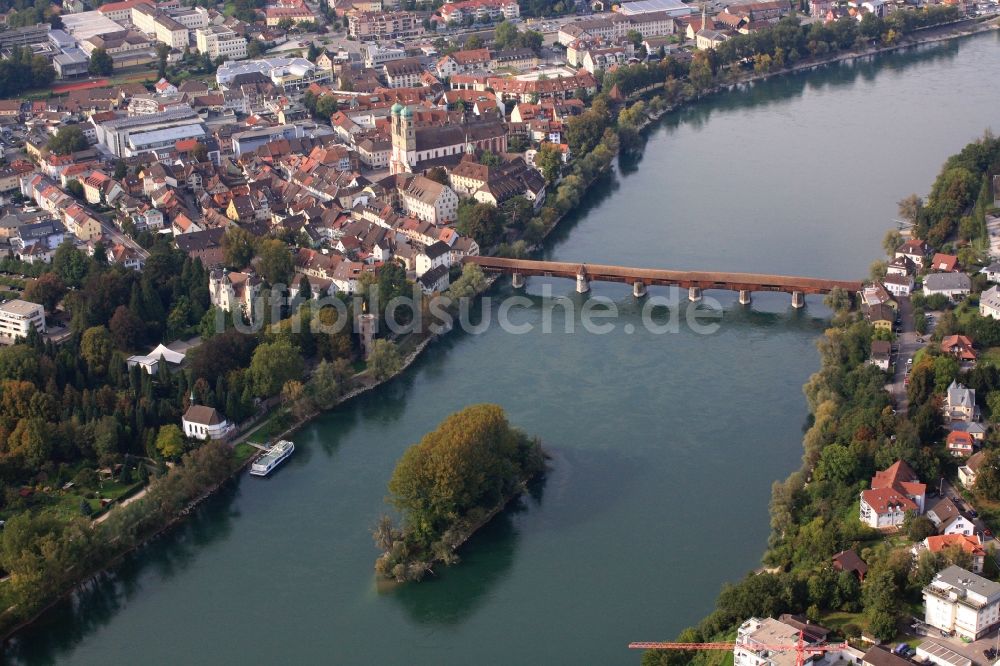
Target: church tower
column 404, row 139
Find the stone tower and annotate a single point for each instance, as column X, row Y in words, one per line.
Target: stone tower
column 366, row 331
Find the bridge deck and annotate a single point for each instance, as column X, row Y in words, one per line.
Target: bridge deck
column 656, row 276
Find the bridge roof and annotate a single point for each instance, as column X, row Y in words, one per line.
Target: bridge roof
column 653, row 276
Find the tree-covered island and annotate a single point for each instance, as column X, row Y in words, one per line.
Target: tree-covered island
column 449, row 485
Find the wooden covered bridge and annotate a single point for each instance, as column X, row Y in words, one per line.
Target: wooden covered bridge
column 640, row 278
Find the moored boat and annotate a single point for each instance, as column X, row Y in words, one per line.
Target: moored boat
column 276, row 455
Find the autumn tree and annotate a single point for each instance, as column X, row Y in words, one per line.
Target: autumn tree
column 101, row 63
column 273, row 364
column 170, row 441
column 548, row 159
column 274, row 261
column 238, row 246
column 481, row 221
column 96, row 348
column 48, row 289
column 126, row 328
column 384, row 360
column 472, row 460
column 69, row 139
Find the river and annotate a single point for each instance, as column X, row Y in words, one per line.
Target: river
column 663, row 447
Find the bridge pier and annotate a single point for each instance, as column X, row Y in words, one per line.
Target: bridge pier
column 582, row 283
column 798, row 300
column 638, row 289
column 745, row 296
column 517, row 280
column 694, row 294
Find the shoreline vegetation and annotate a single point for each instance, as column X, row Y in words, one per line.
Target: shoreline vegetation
column 854, row 431
column 57, row 558
column 450, row 485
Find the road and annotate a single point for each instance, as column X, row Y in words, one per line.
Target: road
column 115, row 234
column 907, row 344
column 951, row 492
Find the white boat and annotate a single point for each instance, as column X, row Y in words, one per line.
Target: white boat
column 276, row 455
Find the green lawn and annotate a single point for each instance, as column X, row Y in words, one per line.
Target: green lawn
column 66, row 503
column 242, row 452
column 837, row 619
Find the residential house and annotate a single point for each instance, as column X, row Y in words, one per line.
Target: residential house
column 962, row 602
column 202, row 422
column 948, row 518
column 944, row 263
column 125, row 256
column 960, row 347
column 881, row 317
column 970, row 543
column 434, row 255
column 880, row 656
column 967, row 472
column 898, row 285
column 205, row 245
column 992, row 271
column 976, row 429
column 48, row 235
column 960, row 444
column 915, row 250
column 848, row 560
column 960, row 403
column 894, row 492
column 989, row 303
column 876, row 294
column 953, row 285
column 901, row 265
column 881, row 354
column 81, row 224
column 434, row 280
column 93, row 187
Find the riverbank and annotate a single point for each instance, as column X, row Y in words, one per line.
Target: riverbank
column 651, row 116
column 588, row 254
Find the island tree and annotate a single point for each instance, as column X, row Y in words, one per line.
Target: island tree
column 451, row 483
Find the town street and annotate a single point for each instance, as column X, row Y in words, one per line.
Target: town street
column 907, row 344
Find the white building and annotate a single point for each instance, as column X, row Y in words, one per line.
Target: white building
column 952, row 285
column 898, row 285
column 158, row 24
column 960, row 601
column 151, row 361
column 894, row 492
column 234, row 291
column 219, row 41
column 17, row 317
column 989, row 303
column 434, row 255
column 377, row 55
column 430, row 201
column 201, row 422
column 755, row 635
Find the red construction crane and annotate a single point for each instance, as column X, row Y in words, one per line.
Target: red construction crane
column 802, row 649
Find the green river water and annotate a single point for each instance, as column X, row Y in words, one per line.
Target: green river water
column 664, row 447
